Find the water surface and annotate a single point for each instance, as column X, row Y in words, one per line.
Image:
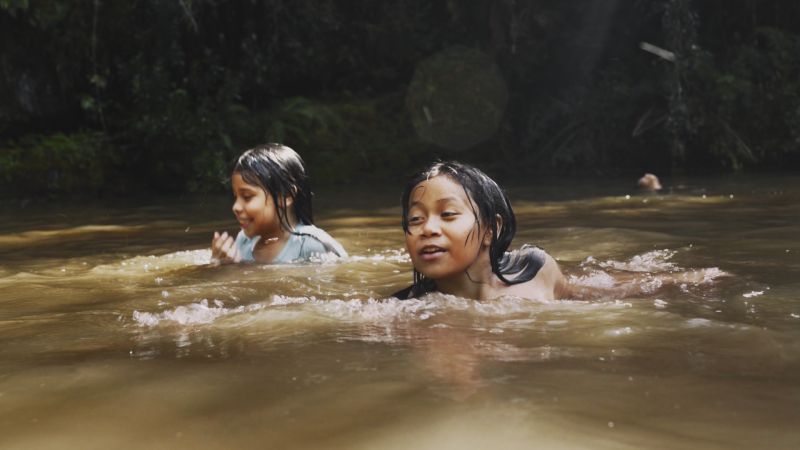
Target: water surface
column 116, row 332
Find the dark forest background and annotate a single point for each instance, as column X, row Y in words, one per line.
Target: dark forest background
column 120, row 97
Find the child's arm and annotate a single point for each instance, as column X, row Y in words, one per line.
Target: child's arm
column 611, row 283
column 224, row 249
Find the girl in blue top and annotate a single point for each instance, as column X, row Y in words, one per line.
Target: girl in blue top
column 273, row 206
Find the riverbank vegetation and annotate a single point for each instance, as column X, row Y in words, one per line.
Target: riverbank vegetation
column 108, row 97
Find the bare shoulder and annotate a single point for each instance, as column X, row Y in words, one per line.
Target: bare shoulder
column 553, row 278
column 548, row 284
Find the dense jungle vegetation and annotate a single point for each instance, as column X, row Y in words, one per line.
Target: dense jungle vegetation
column 116, row 97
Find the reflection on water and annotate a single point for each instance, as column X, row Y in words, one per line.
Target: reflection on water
column 115, row 332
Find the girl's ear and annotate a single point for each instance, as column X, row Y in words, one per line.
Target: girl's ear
column 288, row 200
column 487, row 237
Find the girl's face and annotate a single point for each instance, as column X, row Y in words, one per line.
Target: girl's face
column 254, row 209
column 443, row 238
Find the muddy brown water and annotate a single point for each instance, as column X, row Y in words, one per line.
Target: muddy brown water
column 116, row 332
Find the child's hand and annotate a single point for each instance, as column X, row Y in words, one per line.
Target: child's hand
column 224, row 249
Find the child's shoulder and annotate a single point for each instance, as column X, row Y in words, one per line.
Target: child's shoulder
column 316, row 240
column 525, row 261
column 545, row 278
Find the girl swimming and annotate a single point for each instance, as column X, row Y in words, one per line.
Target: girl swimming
column 458, row 225
column 273, row 206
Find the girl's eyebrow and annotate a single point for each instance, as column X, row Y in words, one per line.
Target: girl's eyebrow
column 447, row 199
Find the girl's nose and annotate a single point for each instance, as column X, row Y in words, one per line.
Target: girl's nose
column 237, row 208
column 431, row 227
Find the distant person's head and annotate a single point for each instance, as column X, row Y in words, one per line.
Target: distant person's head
column 272, row 189
column 648, row 182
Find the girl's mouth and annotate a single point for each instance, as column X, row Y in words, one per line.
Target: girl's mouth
column 428, row 253
column 245, row 223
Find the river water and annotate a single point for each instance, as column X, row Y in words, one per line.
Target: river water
column 116, row 332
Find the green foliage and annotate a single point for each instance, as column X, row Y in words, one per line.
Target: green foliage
column 750, row 106
column 296, row 118
column 372, row 141
column 162, row 95
column 14, row 6
column 57, row 164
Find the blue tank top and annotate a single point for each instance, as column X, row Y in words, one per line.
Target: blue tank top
column 306, row 241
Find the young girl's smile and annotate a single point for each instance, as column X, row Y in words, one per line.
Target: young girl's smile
column 444, row 238
column 255, row 210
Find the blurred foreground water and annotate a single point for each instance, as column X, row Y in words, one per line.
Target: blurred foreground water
column 115, row 332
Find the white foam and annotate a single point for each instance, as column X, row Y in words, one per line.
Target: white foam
column 375, row 310
column 619, row 331
column 655, row 261
column 325, row 258
column 692, row 323
column 700, row 276
column 144, row 264
column 387, row 255
column 370, row 310
column 195, row 313
column 596, row 279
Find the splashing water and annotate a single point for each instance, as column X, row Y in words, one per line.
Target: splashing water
column 692, row 347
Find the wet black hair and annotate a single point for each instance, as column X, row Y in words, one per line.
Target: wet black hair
column 487, row 201
column 280, row 171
